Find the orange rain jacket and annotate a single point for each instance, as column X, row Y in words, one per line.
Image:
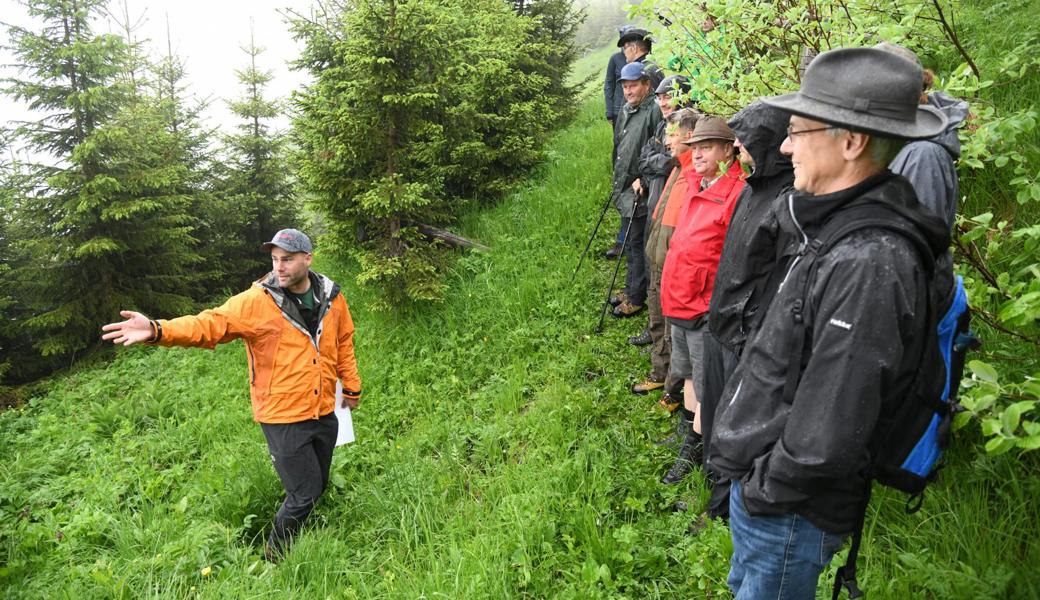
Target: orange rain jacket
column 292, row 375
column 666, row 213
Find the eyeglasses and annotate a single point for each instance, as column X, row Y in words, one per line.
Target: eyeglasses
column 793, row 134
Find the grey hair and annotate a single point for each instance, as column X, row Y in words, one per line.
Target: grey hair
column 882, row 149
column 686, row 118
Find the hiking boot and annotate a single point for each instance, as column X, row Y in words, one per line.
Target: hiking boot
column 617, row 298
column 690, row 455
column 669, row 402
column 643, row 339
column 613, row 252
column 626, row 309
column 682, row 425
column 645, row 387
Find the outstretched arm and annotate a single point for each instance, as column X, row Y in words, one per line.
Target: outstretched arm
column 136, row 328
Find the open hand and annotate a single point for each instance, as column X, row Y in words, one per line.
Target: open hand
column 136, row 328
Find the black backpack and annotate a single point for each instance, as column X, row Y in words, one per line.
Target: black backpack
column 910, row 438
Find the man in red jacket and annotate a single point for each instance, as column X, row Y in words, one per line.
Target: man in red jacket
column 689, row 268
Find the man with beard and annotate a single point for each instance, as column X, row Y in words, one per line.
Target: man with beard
column 299, row 340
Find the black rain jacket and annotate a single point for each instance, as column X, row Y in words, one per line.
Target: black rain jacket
column 655, row 165
column 754, row 244
column 864, row 314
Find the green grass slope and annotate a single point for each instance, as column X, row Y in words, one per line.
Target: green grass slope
column 499, row 455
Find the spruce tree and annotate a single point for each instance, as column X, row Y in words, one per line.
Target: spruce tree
column 254, row 195
column 417, row 107
column 107, row 228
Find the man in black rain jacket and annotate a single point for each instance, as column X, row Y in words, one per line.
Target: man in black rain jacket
column 849, row 323
column 754, row 245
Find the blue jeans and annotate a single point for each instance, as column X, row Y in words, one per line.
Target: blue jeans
column 776, row 557
column 620, row 239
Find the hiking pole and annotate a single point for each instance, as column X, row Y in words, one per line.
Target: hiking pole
column 617, row 267
column 602, row 213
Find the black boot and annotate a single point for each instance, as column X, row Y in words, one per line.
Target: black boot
column 682, row 425
column 690, row 456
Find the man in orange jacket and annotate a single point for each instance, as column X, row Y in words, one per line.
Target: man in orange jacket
column 299, row 340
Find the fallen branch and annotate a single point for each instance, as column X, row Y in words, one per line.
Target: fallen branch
column 452, row 239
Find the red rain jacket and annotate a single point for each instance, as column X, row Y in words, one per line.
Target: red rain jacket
column 693, row 254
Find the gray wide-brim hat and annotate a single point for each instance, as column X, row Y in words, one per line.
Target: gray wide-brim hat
column 864, row 89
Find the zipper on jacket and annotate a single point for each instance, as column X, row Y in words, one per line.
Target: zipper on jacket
column 801, row 247
column 736, row 392
column 252, row 366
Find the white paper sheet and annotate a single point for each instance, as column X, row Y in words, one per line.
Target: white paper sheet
column 346, row 424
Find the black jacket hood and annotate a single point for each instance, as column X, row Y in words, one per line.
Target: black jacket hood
column 761, row 129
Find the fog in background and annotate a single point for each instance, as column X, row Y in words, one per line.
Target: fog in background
column 207, row 35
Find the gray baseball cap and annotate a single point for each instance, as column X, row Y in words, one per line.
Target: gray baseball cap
column 291, row 240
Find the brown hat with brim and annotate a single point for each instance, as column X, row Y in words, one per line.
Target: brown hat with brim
column 864, row 89
column 710, row 128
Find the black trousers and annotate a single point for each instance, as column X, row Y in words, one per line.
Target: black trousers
column 719, row 364
column 637, row 276
column 302, row 455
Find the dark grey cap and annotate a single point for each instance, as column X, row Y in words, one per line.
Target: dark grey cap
column 291, row 240
column 672, row 84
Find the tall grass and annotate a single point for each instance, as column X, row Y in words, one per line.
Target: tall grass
column 499, row 455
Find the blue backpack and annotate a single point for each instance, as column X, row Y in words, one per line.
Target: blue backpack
column 912, row 434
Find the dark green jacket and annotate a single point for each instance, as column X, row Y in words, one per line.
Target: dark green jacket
column 635, row 125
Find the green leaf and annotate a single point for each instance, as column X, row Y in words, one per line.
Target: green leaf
column 1031, row 387
column 1011, row 416
column 983, row 371
column 1029, row 443
column 999, row 445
